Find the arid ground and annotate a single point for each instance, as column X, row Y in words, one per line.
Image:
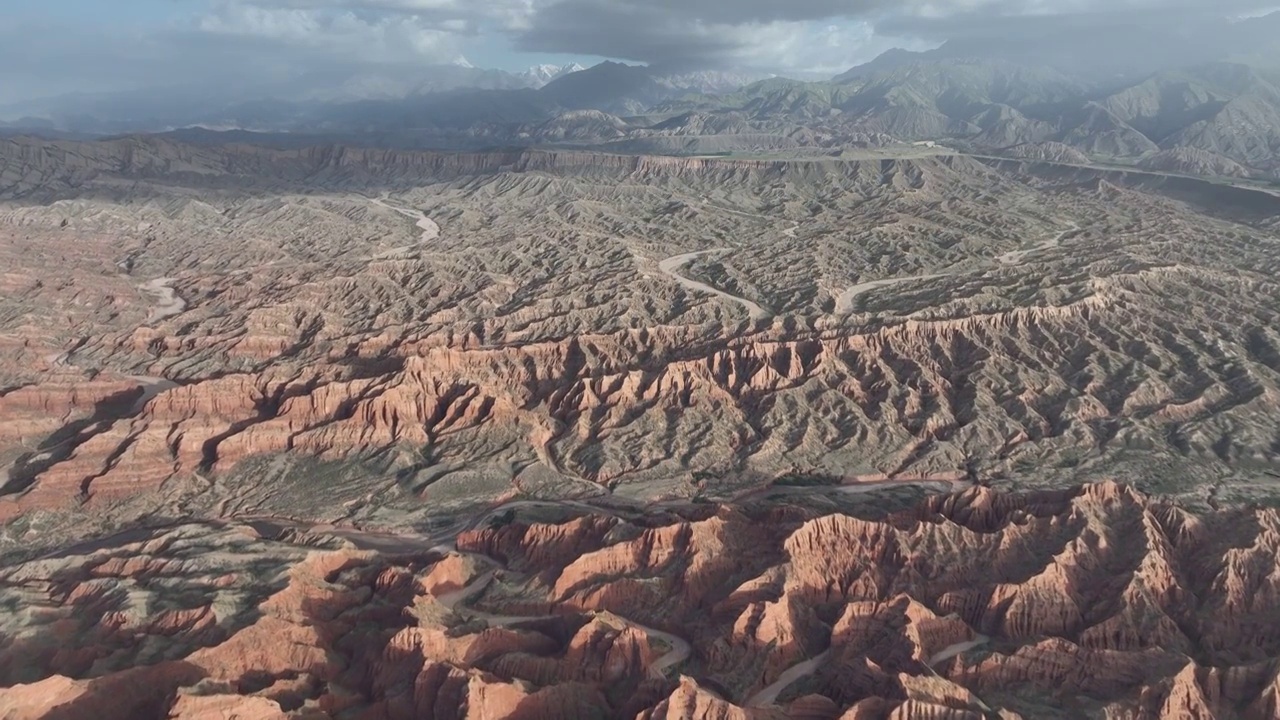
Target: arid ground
column 571, row 434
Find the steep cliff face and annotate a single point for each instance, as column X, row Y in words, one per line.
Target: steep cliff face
column 1088, row 603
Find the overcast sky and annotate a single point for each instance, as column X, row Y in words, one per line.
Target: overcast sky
column 48, row 47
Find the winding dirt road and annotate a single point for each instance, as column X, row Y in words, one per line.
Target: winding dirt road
column 151, row 387
column 852, row 488
column 672, row 265
column 769, row 695
column 169, row 304
column 680, row 649
column 1017, row 256
column 845, row 302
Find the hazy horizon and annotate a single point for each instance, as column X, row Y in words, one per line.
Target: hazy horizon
column 56, row 47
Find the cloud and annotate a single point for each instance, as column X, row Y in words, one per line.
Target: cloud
column 358, row 37
column 746, row 33
column 1018, row 18
column 798, row 34
column 250, row 42
column 460, row 16
column 247, row 44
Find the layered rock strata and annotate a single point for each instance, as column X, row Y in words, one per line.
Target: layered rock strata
column 1090, row 603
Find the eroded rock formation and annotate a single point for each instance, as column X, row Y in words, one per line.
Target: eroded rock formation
column 932, row 316
column 1096, row 602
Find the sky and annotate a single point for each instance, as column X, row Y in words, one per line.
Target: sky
column 51, row 47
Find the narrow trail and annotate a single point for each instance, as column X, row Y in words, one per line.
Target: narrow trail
column 846, row 301
column 672, row 265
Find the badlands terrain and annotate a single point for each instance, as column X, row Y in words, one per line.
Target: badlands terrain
column 380, row 335
column 1092, row 603
column 343, row 432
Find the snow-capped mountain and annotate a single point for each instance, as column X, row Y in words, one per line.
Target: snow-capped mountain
column 539, row 75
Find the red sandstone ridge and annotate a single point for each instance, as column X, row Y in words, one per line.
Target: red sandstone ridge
column 289, row 308
column 1094, row 603
column 574, row 406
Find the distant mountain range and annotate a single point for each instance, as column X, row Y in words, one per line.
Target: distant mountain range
column 1217, row 115
column 1229, row 113
column 1122, row 51
column 1214, row 119
column 418, row 96
column 539, row 75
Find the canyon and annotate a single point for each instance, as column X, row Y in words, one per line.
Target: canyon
column 1094, row 602
column 342, row 432
column 563, row 324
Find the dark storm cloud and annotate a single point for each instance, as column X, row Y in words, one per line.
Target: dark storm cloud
column 633, row 33
column 710, row 32
column 683, row 33
column 247, row 42
column 1012, row 19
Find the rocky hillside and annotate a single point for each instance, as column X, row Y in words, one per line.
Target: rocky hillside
column 1097, row 602
column 1193, row 161
column 1215, row 119
column 1222, row 109
column 400, row 334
